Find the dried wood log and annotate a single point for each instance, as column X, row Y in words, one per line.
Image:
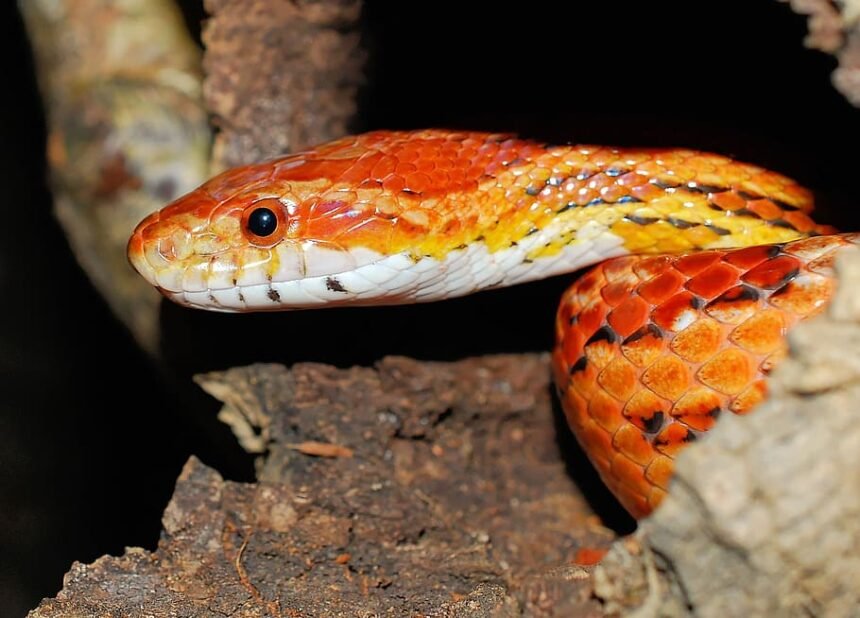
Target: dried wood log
column 453, row 499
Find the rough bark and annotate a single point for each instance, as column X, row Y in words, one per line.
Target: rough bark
column 280, row 76
column 410, row 488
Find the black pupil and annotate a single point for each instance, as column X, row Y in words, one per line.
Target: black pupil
column 262, row 222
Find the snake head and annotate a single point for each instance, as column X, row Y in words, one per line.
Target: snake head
column 228, row 244
column 360, row 220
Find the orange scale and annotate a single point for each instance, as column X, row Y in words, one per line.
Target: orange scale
column 673, row 439
column 619, row 269
column 727, row 200
column 630, row 180
column 591, row 318
column 394, row 183
column 823, row 264
column 646, row 411
column 583, row 196
column 668, row 377
column 418, row 182
column 600, row 181
column 660, row 470
column 385, row 166
column 605, row 410
column 677, row 312
column 648, row 267
column 798, row 196
column 199, row 203
column 428, row 165
column 699, row 341
column 698, row 408
column 630, row 475
column 372, row 232
column 695, row 263
column 774, row 272
column 713, row 281
column 343, row 202
column 765, row 209
column 575, row 408
column 600, row 353
column 728, row 372
column 452, row 227
column 408, row 154
column 650, row 168
column 629, row 441
column 451, row 152
column 613, row 193
column 636, row 504
column 657, row 289
column 801, row 221
column 644, row 346
column 762, row 333
column 354, row 173
column 583, row 377
column 571, row 346
column 816, row 246
column 618, row 378
column 749, row 398
column 647, row 192
column 404, row 168
column 457, row 177
column 629, row 316
column 598, row 442
column 751, row 256
column 369, row 183
column 734, row 305
column 804, row 296
column 588, row 286
column 233, row 181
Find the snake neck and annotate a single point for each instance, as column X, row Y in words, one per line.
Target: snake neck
column 641, row 201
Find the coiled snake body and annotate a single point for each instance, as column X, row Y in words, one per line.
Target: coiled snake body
column 650, row 348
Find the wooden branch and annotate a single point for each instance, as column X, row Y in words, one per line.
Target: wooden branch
column 280, row 76
column 455, row 501
column 127, row 131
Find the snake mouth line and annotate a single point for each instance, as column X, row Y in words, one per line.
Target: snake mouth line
column 396, row 279
column 244, row 266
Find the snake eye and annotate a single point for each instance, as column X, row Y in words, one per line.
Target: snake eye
column 264, row 222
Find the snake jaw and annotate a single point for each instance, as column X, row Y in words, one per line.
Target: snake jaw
column 209, row 264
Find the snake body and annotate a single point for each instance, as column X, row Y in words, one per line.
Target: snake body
column 649, row 349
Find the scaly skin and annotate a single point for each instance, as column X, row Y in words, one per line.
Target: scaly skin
column 650, row 349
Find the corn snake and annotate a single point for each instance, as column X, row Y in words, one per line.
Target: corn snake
column 651, row 346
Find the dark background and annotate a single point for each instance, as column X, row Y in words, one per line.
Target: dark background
column 93, row 435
